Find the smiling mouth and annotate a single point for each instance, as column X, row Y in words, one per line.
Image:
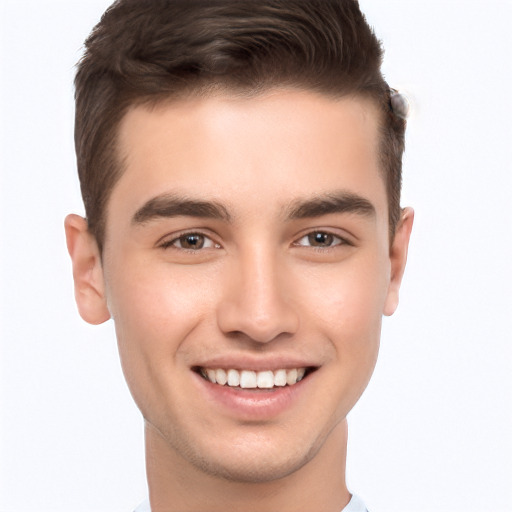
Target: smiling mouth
column 249, row 379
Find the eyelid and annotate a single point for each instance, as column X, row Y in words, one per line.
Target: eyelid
column 344, row 239
column 169, row 239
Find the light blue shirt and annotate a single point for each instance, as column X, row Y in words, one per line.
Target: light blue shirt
column 354, row 505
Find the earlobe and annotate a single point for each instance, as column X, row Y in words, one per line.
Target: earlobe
column 398, row 258
column 87, row 271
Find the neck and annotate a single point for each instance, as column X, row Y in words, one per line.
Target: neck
column 175, row 485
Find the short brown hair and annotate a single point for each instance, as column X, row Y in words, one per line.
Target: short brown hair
column 151, row 50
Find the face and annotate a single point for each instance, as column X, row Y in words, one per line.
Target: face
column 247, row 240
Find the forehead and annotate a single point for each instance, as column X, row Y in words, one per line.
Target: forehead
column 277, row 146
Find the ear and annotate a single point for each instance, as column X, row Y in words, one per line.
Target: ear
column 398, row 258
column 87, row 271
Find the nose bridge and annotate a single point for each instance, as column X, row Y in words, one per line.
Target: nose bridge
column 257, row 301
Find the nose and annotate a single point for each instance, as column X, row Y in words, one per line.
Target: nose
column 258, row 298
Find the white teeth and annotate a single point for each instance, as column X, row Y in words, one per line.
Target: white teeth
column 211, row 375
column 265, row 380
column 233, row 378
column 280, row 378
column 248, row 379
column 221, row 377
column 291, row 377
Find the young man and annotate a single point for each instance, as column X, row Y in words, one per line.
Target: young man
column 240, row 164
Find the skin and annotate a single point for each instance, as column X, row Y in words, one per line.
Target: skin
column 260, row 289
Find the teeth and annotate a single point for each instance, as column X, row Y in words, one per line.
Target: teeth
column 280, row 378
column 249, row 379
column 265, row 380
column 291, row 377
column 220, row 377
column 233, row 378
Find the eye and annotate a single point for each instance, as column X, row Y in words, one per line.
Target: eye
column 320, row 239
column 191, row 242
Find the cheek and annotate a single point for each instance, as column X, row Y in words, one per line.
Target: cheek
column 349, row 294
column 347, row 303
column 348, row 311
column 156, row 296
column 155, row 311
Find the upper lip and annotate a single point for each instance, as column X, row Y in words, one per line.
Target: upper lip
column 273, row 363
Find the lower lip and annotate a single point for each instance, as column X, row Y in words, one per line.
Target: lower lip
column 249, row 404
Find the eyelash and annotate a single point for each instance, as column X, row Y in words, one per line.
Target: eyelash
column 340, row 241
column 181, row 237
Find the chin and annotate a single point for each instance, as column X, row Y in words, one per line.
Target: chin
column 255, row 470
column 255, row 463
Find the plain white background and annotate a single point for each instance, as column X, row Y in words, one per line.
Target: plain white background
column 432, row 432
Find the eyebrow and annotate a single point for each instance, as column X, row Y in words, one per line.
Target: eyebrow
column 169, row 205
column 337, row 202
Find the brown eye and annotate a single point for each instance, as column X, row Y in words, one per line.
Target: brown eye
column 191, row 241
column 320, row 239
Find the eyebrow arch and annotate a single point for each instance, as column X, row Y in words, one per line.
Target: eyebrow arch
column 337, row 202
column 170, row 205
